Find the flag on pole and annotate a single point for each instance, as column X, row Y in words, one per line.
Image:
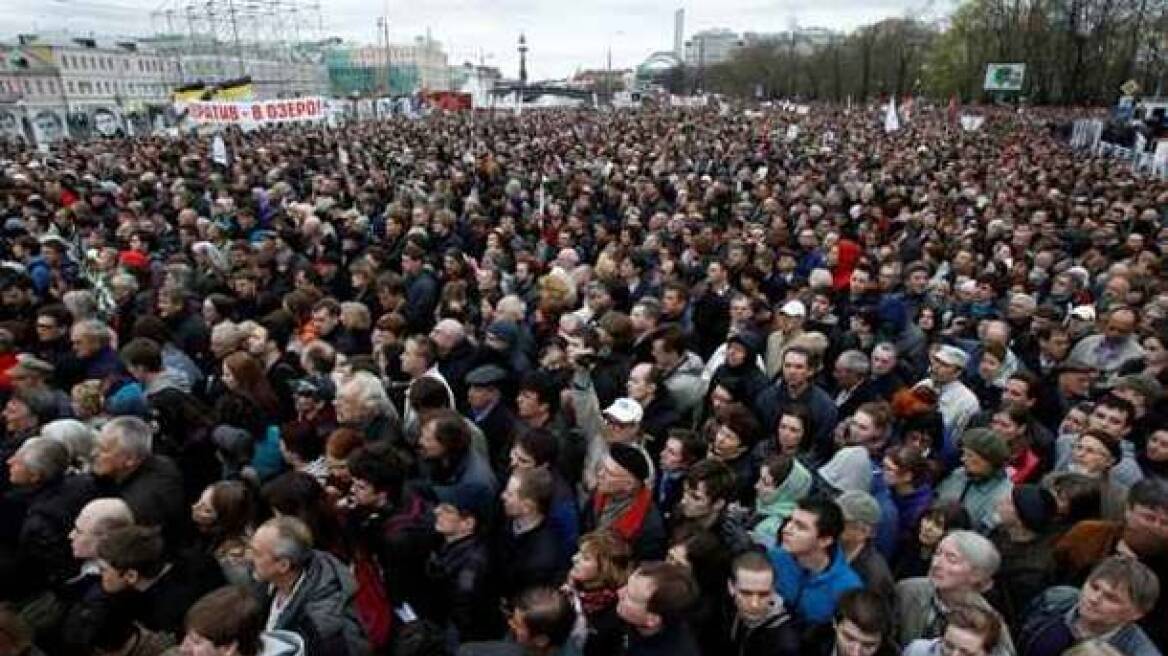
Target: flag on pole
column 891, row 120
column 542, row 196
column 219, row 150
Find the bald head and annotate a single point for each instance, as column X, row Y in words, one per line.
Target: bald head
column 447, row 334
column 96, row 520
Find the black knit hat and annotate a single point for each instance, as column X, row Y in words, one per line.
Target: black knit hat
column 1036, row 507
column 631, row 459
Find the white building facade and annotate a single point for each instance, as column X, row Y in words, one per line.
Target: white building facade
column 53, row 87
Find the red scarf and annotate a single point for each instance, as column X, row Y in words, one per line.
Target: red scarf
column 594, row 601
column 628, row 526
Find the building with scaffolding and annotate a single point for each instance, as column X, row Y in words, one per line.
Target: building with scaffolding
column 278, row 44
column 393, row 70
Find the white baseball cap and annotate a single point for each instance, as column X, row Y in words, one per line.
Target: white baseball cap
column 625, row 411
column 794, row 309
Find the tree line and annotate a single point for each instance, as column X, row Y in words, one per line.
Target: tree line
column 1075, row 51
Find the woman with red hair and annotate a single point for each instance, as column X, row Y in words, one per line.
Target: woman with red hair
column 249, row 401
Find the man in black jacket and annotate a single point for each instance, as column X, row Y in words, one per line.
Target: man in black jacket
column 269, row 342
column 488, row 410
column 136, row 569
column 458, row 573
column 188, row 329
column 150, row 484
column 528, row 553
column 422, row 290
column 184, row 423
column 456, row 356
column 853, row 387
column 653, row 604
column 711, row 311
column 38, row 515
column 759, row 625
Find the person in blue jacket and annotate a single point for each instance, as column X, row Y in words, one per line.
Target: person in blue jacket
column 811, row 573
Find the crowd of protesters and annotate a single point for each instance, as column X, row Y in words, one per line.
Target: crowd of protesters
column 745, row 382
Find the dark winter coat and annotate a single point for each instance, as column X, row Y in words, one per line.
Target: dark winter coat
column 154, row 493
column 43, row 555
column 459, row 592
column 528, row 559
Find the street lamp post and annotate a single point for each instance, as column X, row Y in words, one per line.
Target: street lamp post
column 608, row 85
column 522, row 70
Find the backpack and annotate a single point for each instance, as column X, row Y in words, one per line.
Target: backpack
column 374, row 610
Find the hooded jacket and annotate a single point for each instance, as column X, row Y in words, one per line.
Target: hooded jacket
column 187, row 375
column 841, row 274
column 281, row 643
column 979, row 497
column 815, row 593
column 770, row 514
column 775, row 635
column 322, row 609
column 685, row 383
column 849, row 469
column 746, row 380
column 184, row 422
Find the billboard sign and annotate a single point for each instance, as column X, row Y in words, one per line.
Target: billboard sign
column 254, row 114
column 1004, row 77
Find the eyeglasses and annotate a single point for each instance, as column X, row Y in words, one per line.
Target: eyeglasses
column 950, row 649
column 1095, row 451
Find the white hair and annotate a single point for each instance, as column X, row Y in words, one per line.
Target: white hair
column 293, row 539
column 76, row 436
column 820, row 279
column 512, row 307
column 370, row 392
column 855, row 361
column 93, row 328
column 982, row 555
column 82, row 303
column 48, row 459
column 451, row 327
column 132, row 435
column 109, row 514
column 124, row 281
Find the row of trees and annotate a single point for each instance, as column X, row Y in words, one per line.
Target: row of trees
column 1076, row 51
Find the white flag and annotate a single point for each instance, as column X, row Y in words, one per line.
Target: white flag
column 1161, row 155
column 891, row 120
column 972, row 123
column 542, row 195
column 219, row 150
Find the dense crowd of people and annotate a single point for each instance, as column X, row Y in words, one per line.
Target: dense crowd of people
column 723, row 381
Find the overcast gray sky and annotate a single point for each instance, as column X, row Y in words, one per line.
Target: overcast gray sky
column 563, row 35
